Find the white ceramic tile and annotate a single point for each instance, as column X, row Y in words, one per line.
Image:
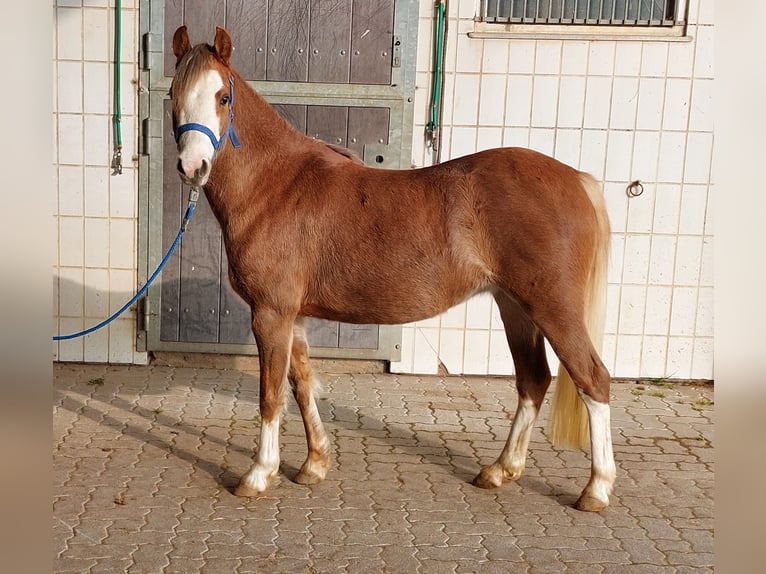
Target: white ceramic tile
column 469, row 54
column 705, row 15
column 699, row 152
column 122, row 286
column 97, row 293
column 451, row 350
column 521, row 56
column 705, row 311
column 97, row 242
column 636, row 266
column 706, row 264
column 616, row 205
column 651, row 98
column 96, row 191
column 448, row 101
column 574, row 57
column 71, row 292
column 676, row 110
column 612, row 317
column 680, row 59
column 545, row 101
column 495, row 57
column 553, row 360
column 662, row 259
column 500, row 359
column 598, row 98
column 69, row 33
column 632, row 308
column 693, row 208
column 69, row 89
column 702, row 361
column 466, row 96
column 657, row 318
column 518, row 106
column 454, row 317
column 671, row 164
column 653, row 354
column 627, row 58
column 618, row 157
column 601, row 58
column 128, row 101
column 491, row 110
column 571, row 102
column 667, row 205
column 466, row 10
column 71, row 247
column 683, row 311
column 703, row 59
column 121, row 337
column 701, row 113
column 96, row 89
column 98, row 148
column 688, row 260
column 628, row 355
column 542, row 140
column 617, row 249
column 425, row 356
column 646, row 151
column 641, row 211
column 654, row 58
column 129, row 37
column 463, row 141
column 122, row 243
column 609, row 352
column 489, row 138
column 72, row 349
column 479, row 311
column 568, row 144
column 70, row 190
column 710, row 213
column 548, row 57
column 476, row 352
column 624, row 103
column 70, row 144
column 95, row 27
column 122, row 193
column 593, row 154
column 679, row 357
column 516, row 137
column 97, row 346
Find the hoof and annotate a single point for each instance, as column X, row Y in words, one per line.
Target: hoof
column 489, row 477
column 589, row 503
column 245, row 490
column 249, row 487
column 312, row 473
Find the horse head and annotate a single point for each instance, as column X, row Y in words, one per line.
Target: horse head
column 202, row 93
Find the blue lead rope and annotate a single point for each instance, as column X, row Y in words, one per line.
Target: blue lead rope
column 193, row 196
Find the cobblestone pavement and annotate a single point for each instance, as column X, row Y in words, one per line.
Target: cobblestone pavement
column 145, row 459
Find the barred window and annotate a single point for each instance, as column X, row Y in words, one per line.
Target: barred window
column 648, row 16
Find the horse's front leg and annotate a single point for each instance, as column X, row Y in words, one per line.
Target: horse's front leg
column 273, row 334
column 303, row 383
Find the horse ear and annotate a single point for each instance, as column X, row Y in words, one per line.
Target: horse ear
column 181, row 43
column 222, row 45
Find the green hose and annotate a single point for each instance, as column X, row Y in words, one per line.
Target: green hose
column 117, row 117
column 432, row 128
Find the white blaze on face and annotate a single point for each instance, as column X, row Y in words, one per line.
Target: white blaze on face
column 200, row 106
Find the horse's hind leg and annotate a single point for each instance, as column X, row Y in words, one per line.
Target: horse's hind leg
column 303, row 382
column 532, row 380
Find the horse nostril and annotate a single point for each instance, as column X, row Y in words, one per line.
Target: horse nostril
column 203, row 169
column 180, row 167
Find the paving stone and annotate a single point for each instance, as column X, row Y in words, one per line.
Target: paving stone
column 144, row 467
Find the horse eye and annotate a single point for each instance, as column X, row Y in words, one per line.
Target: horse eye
column 224, row 100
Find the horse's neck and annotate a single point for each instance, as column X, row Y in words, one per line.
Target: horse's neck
column 239, row 182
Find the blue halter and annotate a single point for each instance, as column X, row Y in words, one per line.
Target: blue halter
column 228, row 132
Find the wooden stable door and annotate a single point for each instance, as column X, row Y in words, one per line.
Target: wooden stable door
column 338, row 70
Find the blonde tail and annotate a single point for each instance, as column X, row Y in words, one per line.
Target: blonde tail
column 569, row 418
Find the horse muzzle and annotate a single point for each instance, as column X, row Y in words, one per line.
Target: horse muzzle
column 194, row 172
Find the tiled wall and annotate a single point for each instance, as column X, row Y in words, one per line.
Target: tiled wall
column 622, row 110
column 96, row 212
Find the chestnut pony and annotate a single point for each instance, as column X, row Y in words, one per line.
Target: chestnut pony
column 310, row 231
